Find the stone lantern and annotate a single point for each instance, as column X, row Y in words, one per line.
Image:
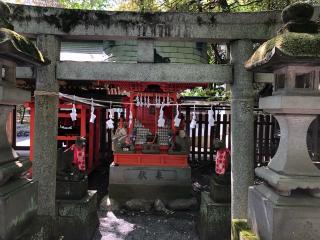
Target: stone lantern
column 286, row 206
column 18, row 196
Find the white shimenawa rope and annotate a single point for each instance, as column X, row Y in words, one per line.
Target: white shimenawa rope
column 97, row 102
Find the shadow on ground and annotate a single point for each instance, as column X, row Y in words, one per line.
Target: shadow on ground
column 128, row 225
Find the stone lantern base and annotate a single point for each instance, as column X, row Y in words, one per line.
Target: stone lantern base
column 286, row 183
column 18, row 206
column 274, row 217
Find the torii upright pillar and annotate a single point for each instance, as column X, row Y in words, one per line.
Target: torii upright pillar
column 46, row 129
column 242, row 129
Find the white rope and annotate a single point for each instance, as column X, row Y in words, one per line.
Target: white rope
column 97, row 102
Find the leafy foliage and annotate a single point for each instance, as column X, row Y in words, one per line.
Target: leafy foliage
column 213, row 93
column 168, row 5
column 84, row 4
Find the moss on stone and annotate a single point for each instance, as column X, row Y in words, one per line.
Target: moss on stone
column 290, row 44
column 237, row 226
column 103, row 18
column 5, row 13
column 248, row 235
column 5, row 10
column 21, row 44
column 241, row 230
column 67, row 20
column 5, row 24
column 299, row 11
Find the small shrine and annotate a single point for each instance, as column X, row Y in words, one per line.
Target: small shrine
column 287, row 205
column 150, row 144
column 18, row 195
column 155, row 126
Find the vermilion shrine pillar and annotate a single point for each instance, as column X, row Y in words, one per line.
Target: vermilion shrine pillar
column 242, row 129
column 46, row 128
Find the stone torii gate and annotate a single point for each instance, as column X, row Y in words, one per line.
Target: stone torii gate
column 50, row 26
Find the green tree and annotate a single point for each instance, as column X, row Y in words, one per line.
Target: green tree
column 174, row 5
column 137, row 5
column 84, row 4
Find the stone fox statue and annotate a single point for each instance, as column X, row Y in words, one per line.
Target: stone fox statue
column 222, row 162
column 66, row 169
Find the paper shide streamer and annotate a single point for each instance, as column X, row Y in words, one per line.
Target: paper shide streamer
column 92, row 115
column 193, row 123
column 73, row 113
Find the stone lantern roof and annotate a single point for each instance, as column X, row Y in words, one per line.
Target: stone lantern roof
column 14, row 46
column 297, row 42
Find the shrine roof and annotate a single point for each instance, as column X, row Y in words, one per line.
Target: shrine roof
column 19, row 49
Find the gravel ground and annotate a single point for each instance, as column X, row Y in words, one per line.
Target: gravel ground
column 146, row 226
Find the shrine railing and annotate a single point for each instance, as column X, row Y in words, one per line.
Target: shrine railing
column 266, row 142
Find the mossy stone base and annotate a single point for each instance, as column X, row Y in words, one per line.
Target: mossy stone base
column 18, row 206
column 77, row 219
column 215, row 219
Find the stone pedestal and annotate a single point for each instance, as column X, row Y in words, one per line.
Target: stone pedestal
column 214, row 220
column 151, row 183
column 291, row 167
column 274, row 217
column 77, row 219
column 18, row 206
column 220, row 193
column 71, row 190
